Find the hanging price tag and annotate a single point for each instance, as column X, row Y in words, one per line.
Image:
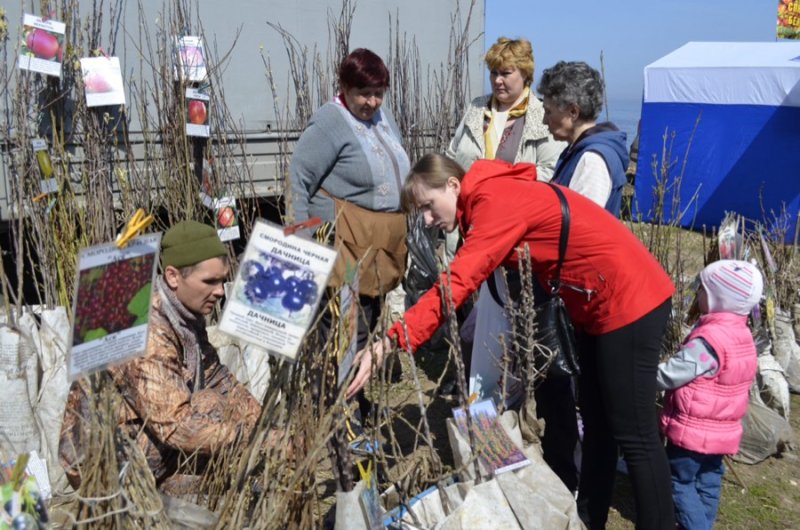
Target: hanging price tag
column 47, row 184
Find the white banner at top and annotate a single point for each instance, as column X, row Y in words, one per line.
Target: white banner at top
column 727, row 73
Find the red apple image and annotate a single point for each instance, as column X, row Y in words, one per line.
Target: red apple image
column 96, row 84
column 42, row 44
column 226, row 217
column 197, row 112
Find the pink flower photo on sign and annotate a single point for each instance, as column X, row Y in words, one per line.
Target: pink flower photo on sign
column 190, row 59
column 102, row 81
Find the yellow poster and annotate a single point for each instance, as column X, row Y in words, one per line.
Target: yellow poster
column 788, row 19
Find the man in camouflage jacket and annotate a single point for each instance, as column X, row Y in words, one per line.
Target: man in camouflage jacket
column 179, row 401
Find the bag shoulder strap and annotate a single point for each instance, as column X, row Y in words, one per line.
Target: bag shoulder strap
column 564, row 237
column 492, row 284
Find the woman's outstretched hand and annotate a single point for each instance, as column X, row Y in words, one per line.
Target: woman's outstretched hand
column 364, row 361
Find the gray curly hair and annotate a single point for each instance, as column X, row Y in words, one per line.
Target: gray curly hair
column 574, row 83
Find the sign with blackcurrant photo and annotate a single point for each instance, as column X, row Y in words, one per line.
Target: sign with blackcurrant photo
column 277, row 289
column 111, row 307
column 42, row 46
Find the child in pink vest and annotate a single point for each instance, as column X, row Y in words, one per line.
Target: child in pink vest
column 707, row 384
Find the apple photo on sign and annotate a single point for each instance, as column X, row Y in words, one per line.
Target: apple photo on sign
column 227, row 219
column 42, row 46
column 102, row 81
column 197, row 113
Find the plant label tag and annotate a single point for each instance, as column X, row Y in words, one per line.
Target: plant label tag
column 48, row 185
column 111, row 306
column 226, row 215
column 43, row 161
column 497, row 452
column 39, row 144
column 197, row 113
column 42, row 46
column 190, row 61
column 207, row 200
column 102, row 81
column 279, row 286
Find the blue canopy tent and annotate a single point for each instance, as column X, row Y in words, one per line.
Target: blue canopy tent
column 731, row 112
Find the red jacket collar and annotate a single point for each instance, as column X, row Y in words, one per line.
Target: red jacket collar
column 480, row 172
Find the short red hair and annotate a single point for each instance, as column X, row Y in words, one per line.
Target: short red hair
column 363, row 68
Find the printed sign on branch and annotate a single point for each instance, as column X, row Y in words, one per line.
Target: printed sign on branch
column 276, row 293
column 112, row 304
column 42, row 46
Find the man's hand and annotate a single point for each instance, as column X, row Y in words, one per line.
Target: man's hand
column 364, row 362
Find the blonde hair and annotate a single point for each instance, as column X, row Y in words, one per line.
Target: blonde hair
column 432, row 170
column 512, row 52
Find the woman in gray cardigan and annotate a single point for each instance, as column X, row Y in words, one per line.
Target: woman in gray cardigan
column 351, row 150
column 351, row 147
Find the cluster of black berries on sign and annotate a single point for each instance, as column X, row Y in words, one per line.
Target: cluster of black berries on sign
column 112, row 297
column 23, row 507
column 294, row 287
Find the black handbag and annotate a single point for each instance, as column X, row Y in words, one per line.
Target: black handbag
column 554, row 329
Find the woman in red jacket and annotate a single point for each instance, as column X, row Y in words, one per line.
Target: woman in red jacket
column 616, row 293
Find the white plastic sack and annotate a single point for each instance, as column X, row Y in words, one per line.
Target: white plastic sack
column 427, row 509
column 773, row 386
column 41, row 349
column 535, row 494
column 786, row 350
column 348, row 510
column 485, row 506
column 19, row 365
column 187, row 515
column 766, row 433
column 248, row 363
column 491, row 325
column 51, row 342
column 533, row 510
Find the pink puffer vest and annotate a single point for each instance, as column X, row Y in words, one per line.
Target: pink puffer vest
column 705, row 415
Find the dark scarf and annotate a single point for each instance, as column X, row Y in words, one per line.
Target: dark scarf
column 190, row 328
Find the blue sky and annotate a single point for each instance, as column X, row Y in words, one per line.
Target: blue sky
column 630, row 33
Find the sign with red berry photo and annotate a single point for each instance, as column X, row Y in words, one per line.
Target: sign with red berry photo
column 279, row 285
column 197, row 113
column 112, row 304
column 42, row 46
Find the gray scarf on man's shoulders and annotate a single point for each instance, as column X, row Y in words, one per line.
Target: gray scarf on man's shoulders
column 190, row 328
